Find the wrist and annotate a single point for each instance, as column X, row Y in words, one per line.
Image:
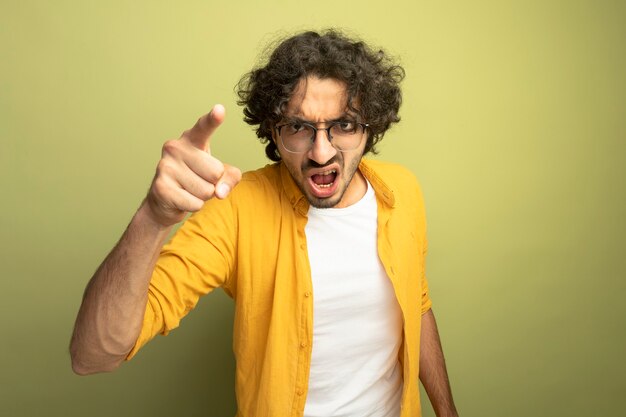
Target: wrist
column 150, row 221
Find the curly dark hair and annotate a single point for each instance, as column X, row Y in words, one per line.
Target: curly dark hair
column 372, row 79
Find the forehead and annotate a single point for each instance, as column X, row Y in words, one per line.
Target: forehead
column 318, row 99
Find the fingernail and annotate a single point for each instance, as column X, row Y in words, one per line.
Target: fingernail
column 218, row 108
column 223, row 190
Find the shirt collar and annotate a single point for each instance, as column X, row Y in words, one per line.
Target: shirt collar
column 381, row 188
column 300, row 203
column 292, row 191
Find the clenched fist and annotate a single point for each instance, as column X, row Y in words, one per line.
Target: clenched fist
column 188, row 175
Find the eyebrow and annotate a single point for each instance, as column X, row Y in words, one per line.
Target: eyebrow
column 342, row 118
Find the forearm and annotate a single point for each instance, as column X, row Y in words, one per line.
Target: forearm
column 433, row 373
column 111, row 314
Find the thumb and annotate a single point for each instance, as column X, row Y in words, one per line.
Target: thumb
column 228, row 181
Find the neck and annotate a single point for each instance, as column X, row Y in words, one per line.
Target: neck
column 355, row 191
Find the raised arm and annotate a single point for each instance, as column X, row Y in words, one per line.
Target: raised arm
column 114, row 302
column 433, row 373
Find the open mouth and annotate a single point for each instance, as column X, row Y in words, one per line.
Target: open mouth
column 324, row 179
column 324, row 184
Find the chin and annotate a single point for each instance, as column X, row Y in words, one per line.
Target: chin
column 323, row 203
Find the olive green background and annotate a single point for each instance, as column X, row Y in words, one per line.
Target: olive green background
column 513, row 120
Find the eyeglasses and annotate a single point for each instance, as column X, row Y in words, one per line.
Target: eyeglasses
column 343, row 135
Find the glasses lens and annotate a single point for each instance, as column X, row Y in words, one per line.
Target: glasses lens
column 346, row 135
column 297, row 137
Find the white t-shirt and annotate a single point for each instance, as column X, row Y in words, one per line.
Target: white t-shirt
column 357, row 322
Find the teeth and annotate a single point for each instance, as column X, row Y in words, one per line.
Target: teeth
column 332, row 171
column 329, row 172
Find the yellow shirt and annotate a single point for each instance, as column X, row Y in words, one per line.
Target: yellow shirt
column 253, row 245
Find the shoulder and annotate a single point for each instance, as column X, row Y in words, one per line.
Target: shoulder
column 396, row 185
column 262, row 182
column 269, row 173
column 395, row 176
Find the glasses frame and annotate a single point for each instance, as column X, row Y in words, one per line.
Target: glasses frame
column 316, row 129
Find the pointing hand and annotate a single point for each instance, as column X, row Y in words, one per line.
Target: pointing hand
column 188, row 175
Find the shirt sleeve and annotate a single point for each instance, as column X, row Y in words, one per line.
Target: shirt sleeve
column 426, row 301
column 199, row 258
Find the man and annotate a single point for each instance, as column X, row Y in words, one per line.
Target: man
column 323, row 252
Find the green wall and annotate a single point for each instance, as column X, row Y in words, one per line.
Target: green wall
column 513, row 120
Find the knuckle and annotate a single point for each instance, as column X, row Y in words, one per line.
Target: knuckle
column 170, row 147
column 165, row 167
column 206, row 192
column 214, row 169
column 218, row 168
column 159, row 188
column 194, row 204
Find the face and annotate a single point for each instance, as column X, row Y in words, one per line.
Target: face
column 326, row 176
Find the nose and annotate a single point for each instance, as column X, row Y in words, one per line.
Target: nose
column 322, row 151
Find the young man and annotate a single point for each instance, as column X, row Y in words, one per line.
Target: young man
column 323, row 252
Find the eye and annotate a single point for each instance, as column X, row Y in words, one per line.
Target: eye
column 345, row 126
column 291, row 128
column 296, row 131
column 296, row 127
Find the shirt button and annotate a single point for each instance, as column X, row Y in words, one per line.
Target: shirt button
column 303, row 345
column 300, row 392
column 303, row 246
column 307, row 294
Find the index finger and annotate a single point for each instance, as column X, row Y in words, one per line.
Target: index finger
column 200, row 134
